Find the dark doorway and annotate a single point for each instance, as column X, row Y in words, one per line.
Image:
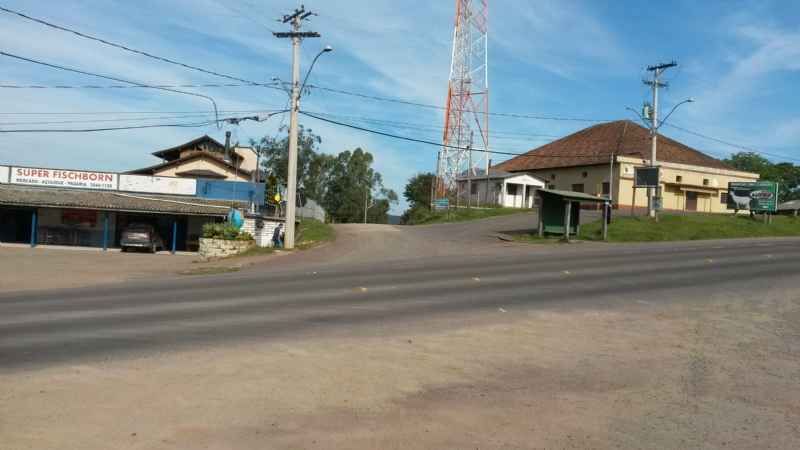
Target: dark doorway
column 15, row 225
column 691, row 201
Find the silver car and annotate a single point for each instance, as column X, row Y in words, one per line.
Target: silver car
column 143, row 236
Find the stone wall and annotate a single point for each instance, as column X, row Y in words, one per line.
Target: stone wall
column 220, row 248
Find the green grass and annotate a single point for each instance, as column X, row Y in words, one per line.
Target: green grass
column 682, row 228
column 424, row 217
column 312, row 232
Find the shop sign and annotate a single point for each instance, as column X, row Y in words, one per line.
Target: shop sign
column 78, row 179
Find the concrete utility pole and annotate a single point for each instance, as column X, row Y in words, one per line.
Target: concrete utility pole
column 657, row 70
column 296, row 19
column 470, row 172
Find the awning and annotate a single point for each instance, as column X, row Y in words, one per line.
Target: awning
column 699, row 190
column 573, row 196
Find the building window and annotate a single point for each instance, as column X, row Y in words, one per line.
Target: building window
column 606, row 188
column 511, row 189
column 577, row 187
column 585, row 174
column 552, row 186
column 473, row 189
column 552, row 176
column 678, row 179
column 705, row 181
column 723, row 198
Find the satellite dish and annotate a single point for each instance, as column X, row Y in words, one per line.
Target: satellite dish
column 235, row 218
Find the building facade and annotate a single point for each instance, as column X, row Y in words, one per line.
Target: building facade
column 509, row 190
column 600, row 161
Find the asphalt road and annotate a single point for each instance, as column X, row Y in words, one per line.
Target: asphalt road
column 375, row 279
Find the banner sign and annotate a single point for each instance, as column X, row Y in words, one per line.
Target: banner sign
column 645, row 177
column 33, row 176
column 754, row 196
column 158, row 185
column 4, row 173
column 441, row 203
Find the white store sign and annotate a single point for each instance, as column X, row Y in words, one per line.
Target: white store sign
column 159, row 185
column 34, row 176
column 4, row 170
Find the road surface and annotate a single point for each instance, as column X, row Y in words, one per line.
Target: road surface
column 426, row 337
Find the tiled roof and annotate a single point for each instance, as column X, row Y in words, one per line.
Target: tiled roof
column 594, row 145
column 112, row 201
column 174, row 152
column 190, row 156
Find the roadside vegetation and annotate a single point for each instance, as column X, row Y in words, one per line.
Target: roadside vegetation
column 424, row 216
column 681, row 228
column 312, row 232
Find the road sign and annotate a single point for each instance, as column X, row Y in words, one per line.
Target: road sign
column 441, row 203
column 760, row 196
column 645, row 177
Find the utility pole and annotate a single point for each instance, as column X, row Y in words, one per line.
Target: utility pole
column 366, row 200
column 296, row 20
column 470, row 172
column 655, row 83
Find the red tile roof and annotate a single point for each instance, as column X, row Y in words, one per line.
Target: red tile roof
column 594, row 145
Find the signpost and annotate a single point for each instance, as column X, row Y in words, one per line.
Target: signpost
column 441, row 203
column 758, row 196
column 646, row 177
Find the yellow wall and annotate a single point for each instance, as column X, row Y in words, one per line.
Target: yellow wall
column 673, row 192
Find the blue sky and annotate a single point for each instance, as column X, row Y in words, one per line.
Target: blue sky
column 740, row 60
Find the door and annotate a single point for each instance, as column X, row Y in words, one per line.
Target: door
column 691, row 201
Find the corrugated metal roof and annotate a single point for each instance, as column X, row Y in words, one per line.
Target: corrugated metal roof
column 112, row 201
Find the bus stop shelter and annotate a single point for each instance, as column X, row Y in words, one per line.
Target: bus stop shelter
column 560, row 212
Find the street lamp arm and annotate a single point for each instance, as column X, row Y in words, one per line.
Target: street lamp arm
column 638, row 114
column 327, row 49
column 661, row 122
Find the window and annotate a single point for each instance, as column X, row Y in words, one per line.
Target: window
column 705, row 181
column 552, row 176
column 585, row 174
column 606, row 188
column 678, row 179
column 577, row 187
column 473, row 189
column 511, row 189
column 552, row 186
column 723, row 198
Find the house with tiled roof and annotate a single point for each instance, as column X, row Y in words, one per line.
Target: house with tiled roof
column 600, row 160
column 204, row 157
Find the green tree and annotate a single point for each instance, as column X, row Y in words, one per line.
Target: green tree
column 418, row 190
column 352, row 184
column 787, row 175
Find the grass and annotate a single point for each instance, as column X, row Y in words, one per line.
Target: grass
column 689, row 227
column 460, row 215
column 312, row 232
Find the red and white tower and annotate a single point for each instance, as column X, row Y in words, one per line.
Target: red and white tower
column 466, row 121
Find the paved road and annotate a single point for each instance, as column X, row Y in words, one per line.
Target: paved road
column 376, row 278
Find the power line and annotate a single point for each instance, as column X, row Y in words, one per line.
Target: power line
column 439, row 144
column 131, row 119
column 103, row 113
column 119, row 80
column 731, row 144
column 128, row 49
column 441, row 108
column 119, row 86
column 231, row 120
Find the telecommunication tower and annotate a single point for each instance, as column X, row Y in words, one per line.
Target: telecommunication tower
column 466, row 121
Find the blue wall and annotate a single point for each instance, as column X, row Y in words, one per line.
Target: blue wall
column 231, row 190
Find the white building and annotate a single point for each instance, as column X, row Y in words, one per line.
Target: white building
column 511, row 190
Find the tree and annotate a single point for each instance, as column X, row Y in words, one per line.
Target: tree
column 787, row 175
column 418, row 190
column 353, row 182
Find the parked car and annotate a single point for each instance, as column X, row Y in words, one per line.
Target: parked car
column 140, row 235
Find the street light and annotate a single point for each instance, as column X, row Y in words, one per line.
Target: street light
column 688, row 100
column 291, row 182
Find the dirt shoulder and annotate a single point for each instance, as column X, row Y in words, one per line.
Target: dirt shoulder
column 720, row 375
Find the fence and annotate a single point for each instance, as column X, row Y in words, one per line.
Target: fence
column 312, row 210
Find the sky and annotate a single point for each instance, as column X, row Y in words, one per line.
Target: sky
column 739, row 61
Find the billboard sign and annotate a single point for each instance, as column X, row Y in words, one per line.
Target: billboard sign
column 646, row 177
column 754, row 196
column 158, row 185
column 34, row 176
column 4, row 173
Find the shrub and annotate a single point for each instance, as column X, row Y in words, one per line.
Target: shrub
column 244, row 236
column 225, row 231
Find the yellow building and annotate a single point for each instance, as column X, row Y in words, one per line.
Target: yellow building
column 600, row 160
column 203, row 157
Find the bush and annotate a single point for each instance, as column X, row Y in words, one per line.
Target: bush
column 225, row 231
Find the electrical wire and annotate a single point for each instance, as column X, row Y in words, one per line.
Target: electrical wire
column 731, row 144
column 130, row 119
column 126, row 48
column 438, row 144
column 119, row 86
column 231, row 120
column 119, row 80
column 103, row 113
column 424, row 105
